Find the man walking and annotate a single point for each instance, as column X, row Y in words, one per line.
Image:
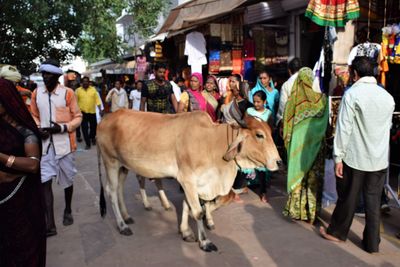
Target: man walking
column 293, row 68
column 117, row 97
column 158, row 94
column 55, row 110
column 361, row 148
column 88, row 99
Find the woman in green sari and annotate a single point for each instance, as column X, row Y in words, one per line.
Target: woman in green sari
column 305, row 121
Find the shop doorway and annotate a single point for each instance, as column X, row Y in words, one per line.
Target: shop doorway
column 311, row 41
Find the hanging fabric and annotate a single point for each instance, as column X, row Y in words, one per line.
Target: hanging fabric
column 214, row 65
column 383, row 55
column 332, row 13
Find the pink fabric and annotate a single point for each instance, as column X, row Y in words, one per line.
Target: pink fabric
column 200, row 99
column 197, row 93
column 200, row 78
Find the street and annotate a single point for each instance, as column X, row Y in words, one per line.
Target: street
column 248, row 234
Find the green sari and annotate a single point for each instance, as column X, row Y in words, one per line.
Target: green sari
column 305, row 121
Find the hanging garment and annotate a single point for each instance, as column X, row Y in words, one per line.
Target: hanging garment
column 237, row 61
column 195, row 49
column 383, row 57
column 215, row 30
column 249, row 72
column 367, row 49
column 141, row 66
column 214, row 65
column 158, row 50
column 332, row 13
column 226, row 33
column 249, row 49
column 223, row 86
column 226, row 61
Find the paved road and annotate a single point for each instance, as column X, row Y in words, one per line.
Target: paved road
column 248, row 234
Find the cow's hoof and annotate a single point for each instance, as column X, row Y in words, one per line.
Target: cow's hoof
column 126, row 232
column 129, row 221
column 208, row 247
column 168, row 208
column 210, row 227
column 148, row 208
column 189, row 238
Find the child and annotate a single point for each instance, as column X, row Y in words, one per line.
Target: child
column 259, row 111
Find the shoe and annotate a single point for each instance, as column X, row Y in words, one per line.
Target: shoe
column 385, row 208
column 51, row 232
column 68, row 219
column 87, row 147
column 93, row 142
column 360, row 214
column 79, row 139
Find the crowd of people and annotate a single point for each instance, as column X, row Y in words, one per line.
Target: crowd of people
column 39, row 137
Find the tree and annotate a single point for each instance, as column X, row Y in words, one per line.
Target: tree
column 146, row 15
column 37, row 29
column 31, row 29
column 100, row 41
column 99, row 38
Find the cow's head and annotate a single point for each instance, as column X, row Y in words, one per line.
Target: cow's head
column 254, row 146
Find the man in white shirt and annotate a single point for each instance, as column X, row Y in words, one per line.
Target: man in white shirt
column 361, row 148
column 293, row 67
column 117, row 97
column 135, row 95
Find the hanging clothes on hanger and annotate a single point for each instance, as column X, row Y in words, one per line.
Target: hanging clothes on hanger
column 366, row 49
column 332, row 13
column 195, row 49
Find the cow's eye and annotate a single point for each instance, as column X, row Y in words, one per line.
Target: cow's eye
column 258, row 135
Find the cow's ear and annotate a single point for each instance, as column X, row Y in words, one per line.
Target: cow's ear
column 235, row 147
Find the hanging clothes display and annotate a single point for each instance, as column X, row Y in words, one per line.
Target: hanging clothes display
column 214, row 62
column 223, row 86
column 366, row 49
column 195, row 49
column 390, row 50
column 237, row 62
column 141, row 67
column 332, row 13
column 226, row 33
column 159, row 54
column 249, row 49
column 391, row 39
column 226, row 61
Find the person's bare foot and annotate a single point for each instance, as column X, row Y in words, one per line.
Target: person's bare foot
column 327, row 236
column 264, row 198
column 237, row 199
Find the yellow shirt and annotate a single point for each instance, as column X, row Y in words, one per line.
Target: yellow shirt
column 185, row 100
column 88, row 99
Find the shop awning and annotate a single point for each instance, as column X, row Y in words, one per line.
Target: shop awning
column 294, row 4
column 113, row 68
column 197, row 12
column 262, row 11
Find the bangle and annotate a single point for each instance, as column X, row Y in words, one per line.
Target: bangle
column 35, row 158
column 10, row 161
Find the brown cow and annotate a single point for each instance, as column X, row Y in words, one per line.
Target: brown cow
column 204, row 158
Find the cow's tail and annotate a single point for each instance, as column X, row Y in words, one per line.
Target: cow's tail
column 103, row 206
